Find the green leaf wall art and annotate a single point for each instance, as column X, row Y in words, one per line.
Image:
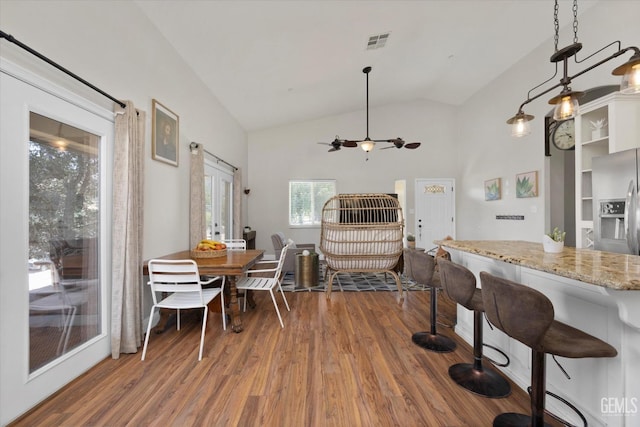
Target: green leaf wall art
column 527, row 184
column 492, row 189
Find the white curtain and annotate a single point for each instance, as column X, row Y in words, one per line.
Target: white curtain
column 197, row 228
column 126, row 240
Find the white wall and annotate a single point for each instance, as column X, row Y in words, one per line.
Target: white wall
column 113, row 46
column 291, row 152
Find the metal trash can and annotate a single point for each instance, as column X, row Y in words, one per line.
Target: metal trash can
column 307, row 270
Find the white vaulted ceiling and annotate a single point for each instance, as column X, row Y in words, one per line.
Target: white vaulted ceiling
column 277, row 62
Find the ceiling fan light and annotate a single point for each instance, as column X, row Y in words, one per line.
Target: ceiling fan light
column 367, row 145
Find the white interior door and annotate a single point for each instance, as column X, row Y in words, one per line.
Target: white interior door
column 32, row 113
column 218, row 185
column 435, row 211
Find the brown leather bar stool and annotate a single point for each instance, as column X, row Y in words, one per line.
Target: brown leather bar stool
column 527, row 315
column 420, row 266
column 459, row 284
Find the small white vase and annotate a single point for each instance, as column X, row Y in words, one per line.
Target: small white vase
column 598, row 133
column 551, row 246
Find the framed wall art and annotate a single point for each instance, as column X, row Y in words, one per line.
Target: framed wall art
column 527, row 184
column 164, row 134
column 492, row 189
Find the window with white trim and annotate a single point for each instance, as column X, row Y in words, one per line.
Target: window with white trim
column 306, row 200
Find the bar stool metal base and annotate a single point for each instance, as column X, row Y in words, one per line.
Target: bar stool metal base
column 511, row 419
column 433, row 342
column 483, row 382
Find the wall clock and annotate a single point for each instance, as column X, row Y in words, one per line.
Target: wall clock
column 563, row 135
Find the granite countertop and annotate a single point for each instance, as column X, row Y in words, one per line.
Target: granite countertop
column 607, row 269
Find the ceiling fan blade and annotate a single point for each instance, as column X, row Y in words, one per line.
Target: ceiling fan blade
column 412, row 145
column 350, row 144
column 324, row 143
column 385, row 148
column 334, row 149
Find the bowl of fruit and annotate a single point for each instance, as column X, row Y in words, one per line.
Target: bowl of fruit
column 207, row 248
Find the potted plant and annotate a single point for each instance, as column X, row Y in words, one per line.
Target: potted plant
column 554, row 242
column 411, row 240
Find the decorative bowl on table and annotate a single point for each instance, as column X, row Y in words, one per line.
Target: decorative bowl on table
column 209, row 249
column 208, row 254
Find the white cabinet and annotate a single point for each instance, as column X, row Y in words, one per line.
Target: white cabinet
column 620, row 115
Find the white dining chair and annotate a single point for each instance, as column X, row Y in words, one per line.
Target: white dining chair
column 180, row 281
column 268, row 283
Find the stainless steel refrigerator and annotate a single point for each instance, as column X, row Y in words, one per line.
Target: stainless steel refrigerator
column 616, row 208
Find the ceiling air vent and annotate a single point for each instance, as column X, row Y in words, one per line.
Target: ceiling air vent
column 378, row 41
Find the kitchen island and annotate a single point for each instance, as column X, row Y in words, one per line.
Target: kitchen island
column 598, row 292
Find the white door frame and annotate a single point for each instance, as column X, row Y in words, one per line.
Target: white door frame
column 23, row 92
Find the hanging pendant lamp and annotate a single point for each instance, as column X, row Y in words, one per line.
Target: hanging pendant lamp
column 566, row 103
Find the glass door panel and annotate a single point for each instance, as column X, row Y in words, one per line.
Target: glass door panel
column 218, row 185
column 64, row 208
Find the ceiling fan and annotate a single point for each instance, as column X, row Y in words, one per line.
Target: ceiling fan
column 367, row 143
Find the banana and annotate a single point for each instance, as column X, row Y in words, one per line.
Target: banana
column 208, row 244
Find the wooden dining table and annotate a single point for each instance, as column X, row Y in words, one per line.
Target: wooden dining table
column 233, row 265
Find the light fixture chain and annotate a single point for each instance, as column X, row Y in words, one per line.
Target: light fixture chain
column 575, row 21
column 556, row 24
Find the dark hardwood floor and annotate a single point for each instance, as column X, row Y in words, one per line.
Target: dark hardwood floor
column 345, row 362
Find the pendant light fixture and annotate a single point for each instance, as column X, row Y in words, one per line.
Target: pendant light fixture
column 367, row 144
column 566, row 103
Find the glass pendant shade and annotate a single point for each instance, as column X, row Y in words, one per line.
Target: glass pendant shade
column 520, row 124
column 566, row 108
column 630, row 72
column 520, row 128
column 367, row 145
column 631, row 80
